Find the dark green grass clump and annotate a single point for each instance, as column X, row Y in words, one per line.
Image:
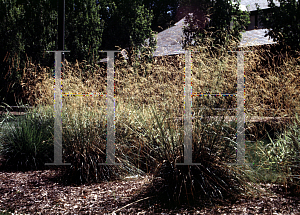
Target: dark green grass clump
column 27, row 142
column 209, row 182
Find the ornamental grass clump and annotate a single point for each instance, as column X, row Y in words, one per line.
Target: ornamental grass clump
column 84, row 146
column 151, row 140
column 279, row 158
column 213, row 147
column 27, row 142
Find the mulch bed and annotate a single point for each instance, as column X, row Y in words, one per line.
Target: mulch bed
column 37, row 192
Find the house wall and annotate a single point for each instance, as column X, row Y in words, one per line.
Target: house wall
column 252, row 23
column 260, row 25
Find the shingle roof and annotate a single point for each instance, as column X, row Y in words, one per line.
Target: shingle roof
column 169, row 41
column 255, row 37
column 263, row 4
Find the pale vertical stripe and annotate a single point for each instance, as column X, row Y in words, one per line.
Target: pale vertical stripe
column 240, row 113
column 188, row 110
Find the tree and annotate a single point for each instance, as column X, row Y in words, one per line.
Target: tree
column 222, row 20
column 199, row 7
column 283, row 22
column 29, row 28
column 38, row 26
column 164, row 13
column 17, row 27
column 84, row 28
column 127, row 25
column 197, row 14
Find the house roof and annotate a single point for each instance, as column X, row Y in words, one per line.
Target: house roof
column 263, row 4
column 169, row 41
column 255, row 38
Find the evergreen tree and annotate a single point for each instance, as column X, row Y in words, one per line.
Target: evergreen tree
column 84, row 28
column 127, row 25
column 25, row 32
column 29, row 29
column 164, row 13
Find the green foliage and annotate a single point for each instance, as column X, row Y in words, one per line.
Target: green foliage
column 27, row 142
column 196, row 22
column 127, row 25
column 277, row 160
column 209, row 181
column 226, row 23
column 164, row 12
column 28, row 29
column 84, row 145
column 84, row 148
column 283, row 22
column 11, row 42
column 84, row 28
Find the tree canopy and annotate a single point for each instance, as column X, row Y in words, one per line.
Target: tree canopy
column 164, row 13
column 221, row 20
column 127, row 25
column 29, row 29
column 283, row 22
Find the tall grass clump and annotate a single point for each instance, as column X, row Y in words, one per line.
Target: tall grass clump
column 84, row 121
column 27, row 141
column 84, row 135
column 279, row 158
column 210, row 181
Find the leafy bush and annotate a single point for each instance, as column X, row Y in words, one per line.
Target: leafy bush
column 29, row 29
column 283, row 22
column 212, row 25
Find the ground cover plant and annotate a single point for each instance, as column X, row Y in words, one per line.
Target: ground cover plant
column 149, row 123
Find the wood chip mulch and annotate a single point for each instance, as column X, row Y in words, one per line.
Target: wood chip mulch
column 35, row 192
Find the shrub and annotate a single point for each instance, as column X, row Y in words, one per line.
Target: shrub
column 217, row 32
column 283, row 22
